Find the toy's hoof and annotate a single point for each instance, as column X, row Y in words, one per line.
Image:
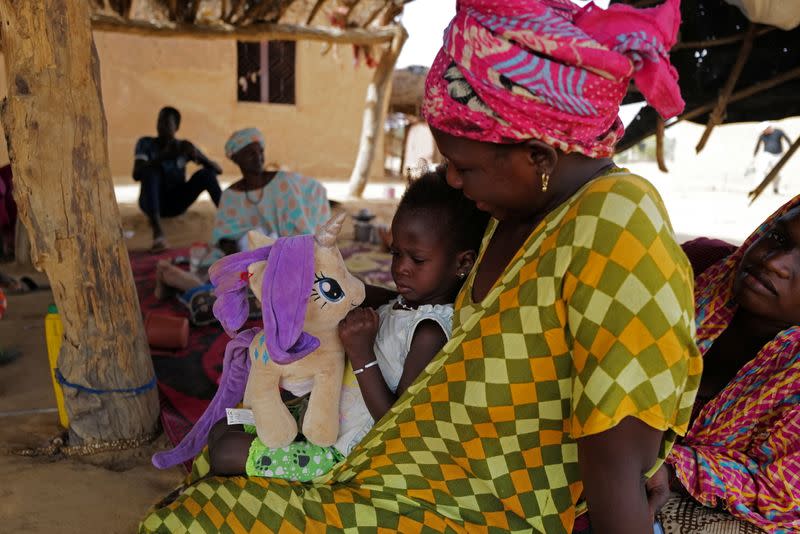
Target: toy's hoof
column 277, row 442
column 323, row 439
column 282, row 438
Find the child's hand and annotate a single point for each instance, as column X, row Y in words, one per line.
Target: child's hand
column 357, row 332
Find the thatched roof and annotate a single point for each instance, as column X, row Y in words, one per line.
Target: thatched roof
column 408, row 87
column 358, row 13
column 362, row 21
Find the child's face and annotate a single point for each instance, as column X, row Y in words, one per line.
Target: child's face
column 424, row 267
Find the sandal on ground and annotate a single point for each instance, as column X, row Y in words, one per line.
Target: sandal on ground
column 15, row 286
column 201, row 310
column 30, row 284
column 9, row 355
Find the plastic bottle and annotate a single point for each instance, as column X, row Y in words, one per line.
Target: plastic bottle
column 54, row 333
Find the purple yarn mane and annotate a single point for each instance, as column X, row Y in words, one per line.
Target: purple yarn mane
column 231, row 280
column 285, row 290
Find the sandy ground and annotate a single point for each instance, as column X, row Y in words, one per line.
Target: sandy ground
column 41, row 495
column 68, row 496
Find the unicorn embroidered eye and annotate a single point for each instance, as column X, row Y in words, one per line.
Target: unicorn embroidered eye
column 327, row 288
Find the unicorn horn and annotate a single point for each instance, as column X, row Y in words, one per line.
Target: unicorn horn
column 326, row 236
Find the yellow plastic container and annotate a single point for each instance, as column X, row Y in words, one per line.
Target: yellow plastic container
column 54, row 332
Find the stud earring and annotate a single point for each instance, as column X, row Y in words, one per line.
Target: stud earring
column 545, row 181
column 461, row 275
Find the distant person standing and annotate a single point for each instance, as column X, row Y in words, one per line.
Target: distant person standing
column 160, row 164
column 772, row 139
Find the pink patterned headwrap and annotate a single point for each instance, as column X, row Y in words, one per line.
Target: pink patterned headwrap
column 512, row 70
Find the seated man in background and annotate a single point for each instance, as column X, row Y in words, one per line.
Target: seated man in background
column 160, row 165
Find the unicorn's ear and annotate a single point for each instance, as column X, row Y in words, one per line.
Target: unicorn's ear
column 257, row 270
column 326, row 236
column 256, row 239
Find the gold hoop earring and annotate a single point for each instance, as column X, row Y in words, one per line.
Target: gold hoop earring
column 545, row 181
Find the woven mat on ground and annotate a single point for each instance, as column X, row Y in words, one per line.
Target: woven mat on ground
column 188, row 378
column 682, row 515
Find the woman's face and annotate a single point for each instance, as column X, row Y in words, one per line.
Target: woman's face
column 250, row 159
column 502, row 180
column 768, row 281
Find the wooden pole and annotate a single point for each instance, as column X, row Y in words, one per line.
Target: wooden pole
column 252, row 32
column 741, row 95
column 404, row 147
column 374, row 114
column 56, row 133
column 662, row 165
column 754, row 194
column 705, row 108
column 718, row 113
column 722, row 41
column 314, row 11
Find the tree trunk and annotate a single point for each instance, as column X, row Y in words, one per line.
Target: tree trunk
column 373, row 114
column 22, row 247
column 56, row 133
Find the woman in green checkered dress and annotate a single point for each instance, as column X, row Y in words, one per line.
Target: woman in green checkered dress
column 572, row 365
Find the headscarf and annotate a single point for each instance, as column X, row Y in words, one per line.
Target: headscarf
column 714, row 304
column 513, row 70
column 743, row 449
column 241, row 138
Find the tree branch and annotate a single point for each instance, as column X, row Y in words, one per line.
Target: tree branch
column 252, row 32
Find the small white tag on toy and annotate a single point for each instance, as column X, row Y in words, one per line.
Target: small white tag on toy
column 240, row 416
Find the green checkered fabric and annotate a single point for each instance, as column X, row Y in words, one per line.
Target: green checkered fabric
column 591, row 322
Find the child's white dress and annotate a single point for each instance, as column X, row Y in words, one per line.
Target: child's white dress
column 395, row 333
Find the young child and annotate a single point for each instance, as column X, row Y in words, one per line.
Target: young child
column 436, row 234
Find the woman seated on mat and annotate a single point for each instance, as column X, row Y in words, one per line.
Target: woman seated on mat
column 742, row 452
column 276, row 203
column 571, row 367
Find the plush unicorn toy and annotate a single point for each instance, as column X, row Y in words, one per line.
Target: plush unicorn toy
column 305, row 290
